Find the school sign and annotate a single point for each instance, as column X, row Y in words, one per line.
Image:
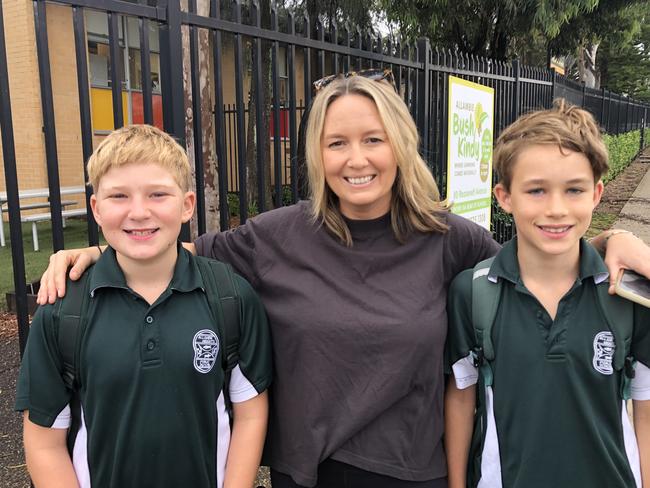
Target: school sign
column 469, row 158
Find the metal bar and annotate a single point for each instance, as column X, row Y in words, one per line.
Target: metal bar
column 84, row 113
column 199, row 170
column 277, row 131
column 241, row 128
column 298, row 41
column 47, row 101
column 11, row 184
column 307, row 62
column 293, row 140
column 171, row 57
column 517, row 90
column 120, row 6
column 145, row 68
column 422, row 107
column 222, row 167
column 260, row 133
column 116, row 79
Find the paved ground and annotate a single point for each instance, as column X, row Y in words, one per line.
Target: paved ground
column 635, row 215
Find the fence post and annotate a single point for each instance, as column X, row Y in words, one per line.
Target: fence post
column 517, row 89
column 553, row 81
column 49, row 130
column 642, row 142
column 422, row 107
column 602, row 106
column 171, row 60
column 11, row 181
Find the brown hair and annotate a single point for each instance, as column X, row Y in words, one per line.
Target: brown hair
column 140, row 144
column 566, row 125
column 415, row 203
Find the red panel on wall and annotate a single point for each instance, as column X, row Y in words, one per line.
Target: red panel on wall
column 137, row 109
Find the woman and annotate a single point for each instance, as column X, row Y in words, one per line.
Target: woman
column 354, row 282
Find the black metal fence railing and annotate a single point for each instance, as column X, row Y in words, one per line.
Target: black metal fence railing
column 239, row 57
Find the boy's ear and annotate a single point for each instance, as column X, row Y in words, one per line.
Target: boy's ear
column 598, row 192
column 503, row 197
column 189, row 201
column 95, row 210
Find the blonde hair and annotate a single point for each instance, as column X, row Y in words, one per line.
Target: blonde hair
column 565, row 125
column 415, row 202
column 140, row 144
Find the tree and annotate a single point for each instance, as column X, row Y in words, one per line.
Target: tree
column 626, row 68
column 482, row 27
column 613, row 23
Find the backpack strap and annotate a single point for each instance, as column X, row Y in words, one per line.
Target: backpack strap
column 619, row 314
column 72, row 322
column 73, row 308
column 485, row 303
column 223, row 301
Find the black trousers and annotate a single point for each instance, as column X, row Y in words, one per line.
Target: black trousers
column 333, row 474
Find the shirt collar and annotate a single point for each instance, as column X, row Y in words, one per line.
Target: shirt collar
column 108, row 274
column 506, row 265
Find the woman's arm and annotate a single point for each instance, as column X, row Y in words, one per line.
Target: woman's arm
column 48, row 461
column 622, row 249
column 642, row 429
column 460, row 406
column 247, row 440
column 77, row 260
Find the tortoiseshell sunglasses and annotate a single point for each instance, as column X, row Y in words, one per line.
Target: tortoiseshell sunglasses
column 372, row 74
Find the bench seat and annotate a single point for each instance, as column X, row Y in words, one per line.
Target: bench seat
column 45, row 216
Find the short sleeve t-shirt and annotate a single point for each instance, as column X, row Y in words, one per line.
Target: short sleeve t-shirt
column 151, row 399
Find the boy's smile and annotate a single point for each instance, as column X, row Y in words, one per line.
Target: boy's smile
column 551, row 197
column 140, row 208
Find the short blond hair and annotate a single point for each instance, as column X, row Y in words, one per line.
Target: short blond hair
column 415, row 203
column 565, row 125
column 139, row 144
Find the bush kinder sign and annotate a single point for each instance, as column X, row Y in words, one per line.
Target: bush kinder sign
column 469, row 158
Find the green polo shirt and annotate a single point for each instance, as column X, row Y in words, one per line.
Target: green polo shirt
column 552, row 418
column 151, row 397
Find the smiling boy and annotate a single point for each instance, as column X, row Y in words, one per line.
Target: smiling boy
column 150, row 400
column 550, row 405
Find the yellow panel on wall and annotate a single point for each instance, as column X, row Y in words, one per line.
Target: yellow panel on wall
column 102, row 108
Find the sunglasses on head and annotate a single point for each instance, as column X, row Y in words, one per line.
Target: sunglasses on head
column 372, row 74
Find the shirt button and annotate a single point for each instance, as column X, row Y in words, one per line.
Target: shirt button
column 151, row 345
column 149, row 319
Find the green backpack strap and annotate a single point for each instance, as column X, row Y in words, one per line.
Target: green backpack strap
column 72, row 323
column 485, row 303
column 73, row 311
column 619, row 314
column 223, row 301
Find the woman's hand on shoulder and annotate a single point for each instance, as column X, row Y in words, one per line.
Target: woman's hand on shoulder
column 623, row 250
column 53, row 280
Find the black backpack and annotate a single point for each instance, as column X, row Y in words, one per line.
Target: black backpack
column 72, row 317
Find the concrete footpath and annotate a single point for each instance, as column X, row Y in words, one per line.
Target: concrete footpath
column 635, row 215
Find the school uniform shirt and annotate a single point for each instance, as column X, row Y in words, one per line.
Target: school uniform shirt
column 152, row 405
column 358, row 337
column 554, row 416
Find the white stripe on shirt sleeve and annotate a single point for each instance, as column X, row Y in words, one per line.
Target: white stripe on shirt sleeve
column 640, row 385
column 240, row 388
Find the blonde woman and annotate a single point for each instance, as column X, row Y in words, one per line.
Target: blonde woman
column 355, row 283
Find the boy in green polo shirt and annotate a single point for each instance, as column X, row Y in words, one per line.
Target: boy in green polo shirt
column 551, row 413
column 150, row 399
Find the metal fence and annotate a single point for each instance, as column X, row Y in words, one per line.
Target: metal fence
column 244, row 38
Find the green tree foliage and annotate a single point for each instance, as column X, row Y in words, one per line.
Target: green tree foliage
column 612, row 25
column 482, row 27
column 625, row 68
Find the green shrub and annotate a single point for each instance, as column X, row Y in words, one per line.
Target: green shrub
column 622, row 150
